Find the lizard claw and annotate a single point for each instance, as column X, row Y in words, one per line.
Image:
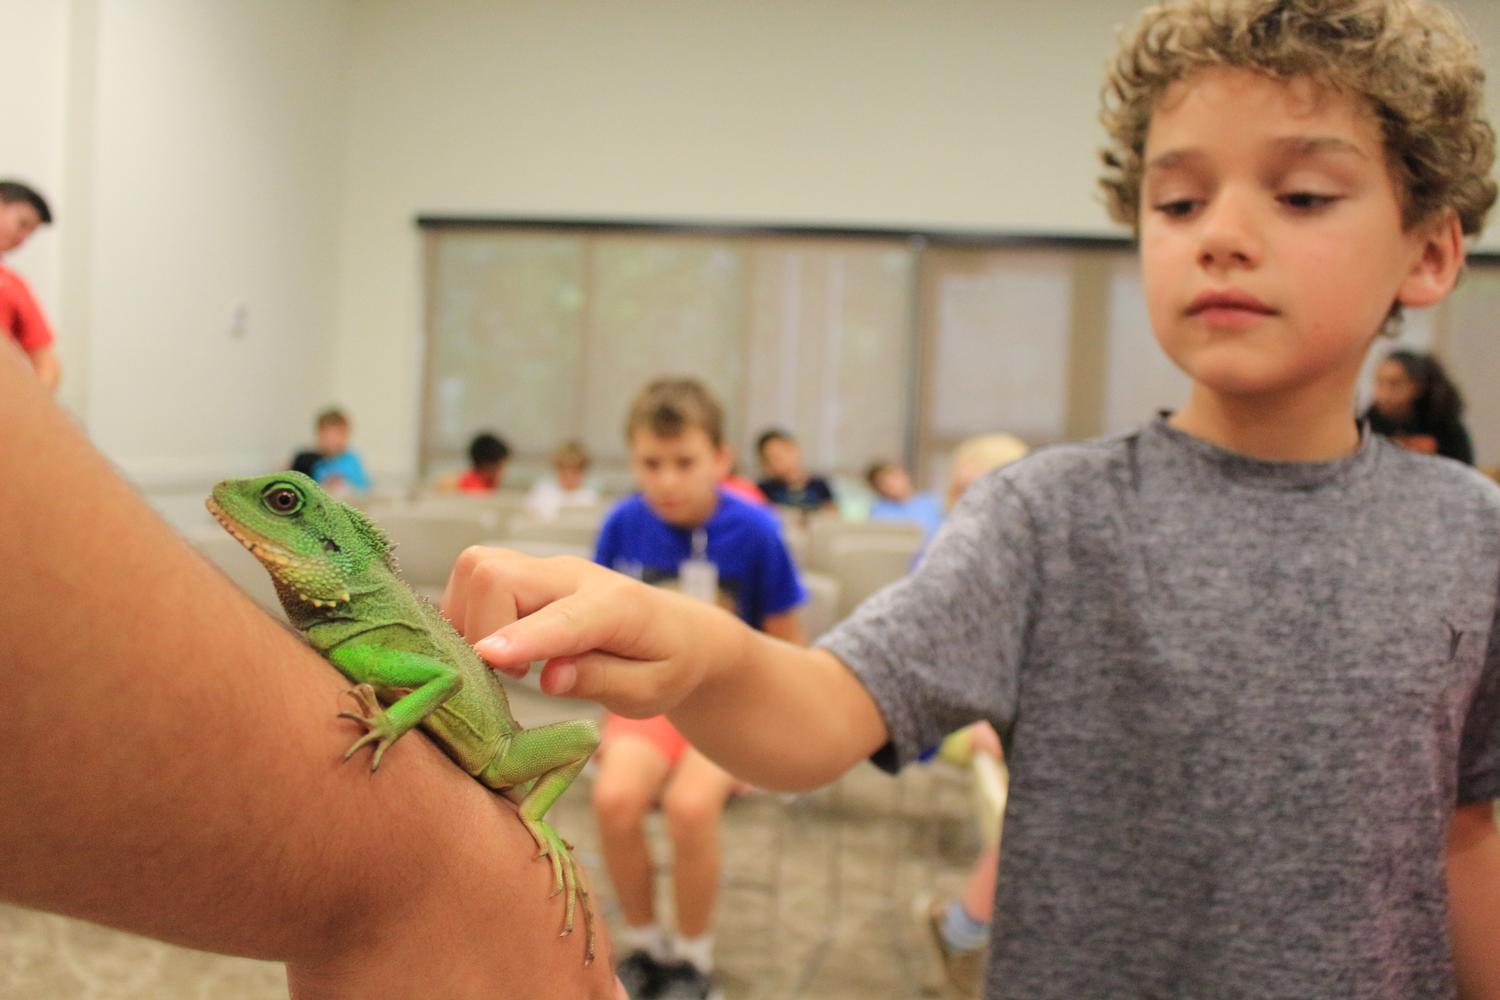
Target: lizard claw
column 374, row 719
column 364, row 697
column 566, row 880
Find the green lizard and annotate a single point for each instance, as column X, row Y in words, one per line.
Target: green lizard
column 336, row 578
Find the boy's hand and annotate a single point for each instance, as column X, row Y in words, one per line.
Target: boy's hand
column 637, row 650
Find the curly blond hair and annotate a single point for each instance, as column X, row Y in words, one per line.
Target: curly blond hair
column 1413, row 61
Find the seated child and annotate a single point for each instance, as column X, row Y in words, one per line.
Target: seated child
column 488, row 454
column 896, row 500
column 337, row 468
column 567, row 487
column 787, row 482
column 683, row 532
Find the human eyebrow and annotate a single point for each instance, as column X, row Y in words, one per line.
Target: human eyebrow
column 1172, row 158
column 1305, row 146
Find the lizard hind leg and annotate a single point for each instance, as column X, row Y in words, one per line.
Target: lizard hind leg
column 546, row 760
column 379, row 728
column 566, row 879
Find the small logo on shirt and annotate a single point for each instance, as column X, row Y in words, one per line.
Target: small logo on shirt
column 1455, row 637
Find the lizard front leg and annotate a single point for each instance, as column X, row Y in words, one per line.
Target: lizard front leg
column 431, row 682
column 548, row 758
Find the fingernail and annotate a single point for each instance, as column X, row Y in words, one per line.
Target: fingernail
column 563, row 677
column 493, row 645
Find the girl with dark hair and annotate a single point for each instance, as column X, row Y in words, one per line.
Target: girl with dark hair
column 1418, row 407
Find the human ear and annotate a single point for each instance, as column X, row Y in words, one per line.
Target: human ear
column 1439, row 254
column 723, row 459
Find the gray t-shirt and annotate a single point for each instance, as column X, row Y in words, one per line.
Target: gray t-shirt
column 1239, row 701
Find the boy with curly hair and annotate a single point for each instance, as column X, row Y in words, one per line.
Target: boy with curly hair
column 1244, row 660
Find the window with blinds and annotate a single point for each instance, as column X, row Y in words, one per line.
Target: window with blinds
column 881, row 346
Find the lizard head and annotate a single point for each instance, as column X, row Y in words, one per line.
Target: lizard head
column 312, row 544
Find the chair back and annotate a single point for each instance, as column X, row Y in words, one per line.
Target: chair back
column 821, row 612
column 428, row 542
column 576, row 528
column 863, row 564
column 827, row 531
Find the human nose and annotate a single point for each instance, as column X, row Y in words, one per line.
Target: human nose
column 1230, row 235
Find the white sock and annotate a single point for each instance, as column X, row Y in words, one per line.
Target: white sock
column 648, row 938
column 698, row 950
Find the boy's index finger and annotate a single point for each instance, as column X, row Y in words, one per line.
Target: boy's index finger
column 569, row 626
column 490, row 588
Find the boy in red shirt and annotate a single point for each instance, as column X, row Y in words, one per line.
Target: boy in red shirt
column 22, row 210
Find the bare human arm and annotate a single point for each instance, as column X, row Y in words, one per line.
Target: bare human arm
column 640, row 651
column 172, row 761
column 786, row 626
column 48, row 368
column 1474, row 900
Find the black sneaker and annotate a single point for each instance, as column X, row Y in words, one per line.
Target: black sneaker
column 642, row 975
column 685, row 981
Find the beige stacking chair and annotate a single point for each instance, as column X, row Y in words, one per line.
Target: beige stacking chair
column 821, row 612
column 798, row 542
column 542, row 548
column 864, row 562
column 574, row 527
column 826, row 531
column 428, row 542
column 495, row 509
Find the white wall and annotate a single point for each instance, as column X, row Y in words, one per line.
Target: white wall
column 275, row 153
column 193, row 153
column 867, row 112
column 33, row 105
column 215, row 185
column 963, row 114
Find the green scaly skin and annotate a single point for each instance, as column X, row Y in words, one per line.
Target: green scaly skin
column 337, row 580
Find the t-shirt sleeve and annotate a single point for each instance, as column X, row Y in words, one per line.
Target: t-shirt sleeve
column 1479, row 753
column 943, row 646
column 31, row 329
column 780, row 587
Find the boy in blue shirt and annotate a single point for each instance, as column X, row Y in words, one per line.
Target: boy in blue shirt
column 684, row 533
column 337, row 468
column 896, row 500
column 1244, row 660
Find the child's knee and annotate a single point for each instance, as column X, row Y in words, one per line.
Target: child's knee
column 691, row 814
column 619, row 807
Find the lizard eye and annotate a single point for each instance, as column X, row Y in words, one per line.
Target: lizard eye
column 329, row 545
column 282, row 500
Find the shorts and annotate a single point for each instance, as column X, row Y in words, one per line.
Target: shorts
column 656, row 730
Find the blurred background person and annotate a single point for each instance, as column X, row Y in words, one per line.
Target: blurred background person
column 22, row 212
column 786, row 481
column 337, row 467
column 1418, row 406
column 488, row 454
column 955, row 929
column 566, row 487
column 897, row 500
